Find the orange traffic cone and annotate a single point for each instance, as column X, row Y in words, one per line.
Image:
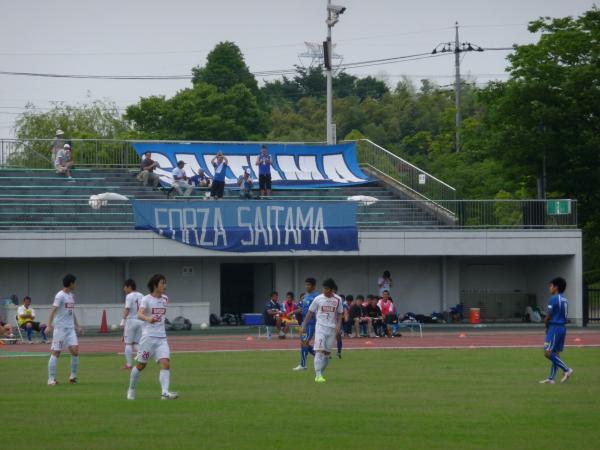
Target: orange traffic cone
column 103, row 324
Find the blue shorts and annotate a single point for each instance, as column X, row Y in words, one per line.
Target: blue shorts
column 309, row 333
column 555, row 338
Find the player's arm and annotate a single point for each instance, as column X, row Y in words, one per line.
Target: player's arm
column 306, row 320
column 145, row 318
column 338, row 325
column 51, row 319
column 78, row 327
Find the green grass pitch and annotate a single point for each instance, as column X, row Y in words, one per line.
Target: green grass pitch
column 376, row 399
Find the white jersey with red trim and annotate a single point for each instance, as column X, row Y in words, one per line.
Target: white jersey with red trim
column 132, row 302
column 157, row 308
column 65, row 308
column 326, row 310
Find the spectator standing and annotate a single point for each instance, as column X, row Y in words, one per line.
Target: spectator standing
column 25, row 319
column 200, row 179
column 385, row 282
column 272, row 314
column 245, row 183
column 63, row 162
column 180, row 180
column 220, row 163
column 58, row 144
column 147, row 175
column 264, row 163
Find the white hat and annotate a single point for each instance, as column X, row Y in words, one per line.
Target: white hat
column 59, row 132
column 67, row 146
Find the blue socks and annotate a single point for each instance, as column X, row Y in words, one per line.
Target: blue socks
column 339, row 345
column 43, row 334
column 29, row 333
column 304, row 351
column 311, row 350
column 552, row 371
column 559, row 362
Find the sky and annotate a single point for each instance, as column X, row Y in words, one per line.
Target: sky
column 150, row 37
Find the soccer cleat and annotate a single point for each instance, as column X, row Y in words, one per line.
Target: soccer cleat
column 547, row 381
column 566, row 376
column 127, row 367
column 130, row 394
column 339, row 355
column 72, row 380
column 168, row 396
column 319, row 379
column 52, row 382
column 299, row 368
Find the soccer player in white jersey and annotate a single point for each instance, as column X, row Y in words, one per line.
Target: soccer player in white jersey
column 328, row 310
column 62, row 319
column 133, row 326
column 153, row 310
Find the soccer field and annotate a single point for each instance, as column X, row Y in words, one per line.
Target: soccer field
column 376, row 399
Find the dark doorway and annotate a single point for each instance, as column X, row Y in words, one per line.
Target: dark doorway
column 245, row 287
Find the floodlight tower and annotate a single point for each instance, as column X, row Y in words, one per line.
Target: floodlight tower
column 333, row 16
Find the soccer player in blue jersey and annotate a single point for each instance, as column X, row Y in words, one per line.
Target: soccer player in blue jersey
column 555, row 322
column 309, row 332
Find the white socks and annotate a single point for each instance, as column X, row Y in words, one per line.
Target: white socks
column 133, row 377
column 74, row 366
column 321, row 361
column 52, row 367
column 164, row 378
column 128, row 354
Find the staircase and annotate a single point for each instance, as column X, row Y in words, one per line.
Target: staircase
column 37, row 199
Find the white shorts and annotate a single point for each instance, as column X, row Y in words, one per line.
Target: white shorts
column 324, row 338
column 133, row 331
column 153, row 347
column 63, row 338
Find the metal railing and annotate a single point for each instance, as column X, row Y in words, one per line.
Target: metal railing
column 60, row 207
column 417, row 182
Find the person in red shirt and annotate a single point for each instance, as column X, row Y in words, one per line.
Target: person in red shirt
column 288, row 311
column 388, row 312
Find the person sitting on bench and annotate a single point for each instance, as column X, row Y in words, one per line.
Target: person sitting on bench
column 25, row 318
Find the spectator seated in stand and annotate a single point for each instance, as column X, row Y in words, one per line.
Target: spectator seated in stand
column 200, row 179
column 147, row 175
column 356, row 316
column 245, row 183
column 63, row 162
column 25, row 319
column 180, row 180
column 272, row 315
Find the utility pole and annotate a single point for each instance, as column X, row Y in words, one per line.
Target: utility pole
column 333, row 16
column 457, row 117
column 457, row 48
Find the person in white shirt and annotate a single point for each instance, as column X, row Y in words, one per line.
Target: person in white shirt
column 64, row 323
column 328, row 310
column 152, row 311
column 63, row 162
column 133, row 326
column 180, row 180
column 384, row 283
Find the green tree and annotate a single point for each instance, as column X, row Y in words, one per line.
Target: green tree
column 225, row 67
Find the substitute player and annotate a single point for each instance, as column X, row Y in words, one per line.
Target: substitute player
column 328, row 310
column 152, row 311
column 133, row 326
column 308, row 333
column 62, row 318
column 555, row 322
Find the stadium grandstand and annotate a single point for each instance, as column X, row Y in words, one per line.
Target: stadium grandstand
column 495, row 255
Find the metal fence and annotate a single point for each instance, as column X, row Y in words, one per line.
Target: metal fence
column 591, row 306
column 416, row 181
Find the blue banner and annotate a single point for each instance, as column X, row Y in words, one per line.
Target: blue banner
column 294, row 165
column 252, row 226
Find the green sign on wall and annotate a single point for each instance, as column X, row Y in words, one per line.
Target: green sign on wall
column 558, row 207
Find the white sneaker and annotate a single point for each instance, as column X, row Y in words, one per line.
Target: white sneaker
column 130, row 394
column 299, row 368
column 566, row 376
column 169, row 396
column 52, row 382
column 547, row 381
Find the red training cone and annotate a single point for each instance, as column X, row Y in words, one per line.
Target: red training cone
column 103, row 324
